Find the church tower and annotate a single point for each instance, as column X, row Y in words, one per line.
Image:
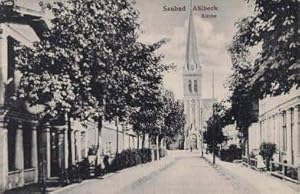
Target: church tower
column 192, row 88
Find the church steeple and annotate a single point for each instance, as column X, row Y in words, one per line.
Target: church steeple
column 192, row 87
column 191, row 58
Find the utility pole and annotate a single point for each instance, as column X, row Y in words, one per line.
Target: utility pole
column 213, row 83
column 214, row 130
column 202, row 138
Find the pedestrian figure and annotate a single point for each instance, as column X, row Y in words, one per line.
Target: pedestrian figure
column 191, row 149
column 260, row 162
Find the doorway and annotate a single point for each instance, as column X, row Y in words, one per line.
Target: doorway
column 194, row 141
column 54, row 170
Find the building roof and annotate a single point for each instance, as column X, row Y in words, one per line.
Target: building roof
column 17, row 14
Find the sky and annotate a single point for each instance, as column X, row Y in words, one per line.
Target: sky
column 213, row 38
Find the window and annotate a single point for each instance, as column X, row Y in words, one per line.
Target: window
column 10, row 57
column 83, row 144
column 265, row 130
column 27, row 144
column 260, row 131
column 11, row 140
column 190, row 86
column 284, row 133
column 196, row 86
column 274, row 129
column 54, row 153
column 10, row 87
column 108, row 148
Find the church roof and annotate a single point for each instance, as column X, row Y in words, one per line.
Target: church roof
column 192, row 57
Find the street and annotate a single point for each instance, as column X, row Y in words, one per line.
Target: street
column 192, row 175
column 183, row 172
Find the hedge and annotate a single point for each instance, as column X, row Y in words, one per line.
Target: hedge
column 130, row 157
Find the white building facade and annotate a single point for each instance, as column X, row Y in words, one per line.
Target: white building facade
column 279, row 123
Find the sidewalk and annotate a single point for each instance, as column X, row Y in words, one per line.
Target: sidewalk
column 262, row 181
column 114, row 183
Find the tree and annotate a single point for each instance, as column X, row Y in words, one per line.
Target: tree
column 147, row 118
column 274, row 28
column 214, row 134
column 160, row 116
column 174, row 119
column 244, row 103
column 89, row 65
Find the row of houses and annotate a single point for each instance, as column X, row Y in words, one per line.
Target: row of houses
column 30, row 152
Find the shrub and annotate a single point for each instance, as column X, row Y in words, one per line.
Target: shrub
column 92, row 150
column 230, row 154
column 146, row 155
column 266, row 151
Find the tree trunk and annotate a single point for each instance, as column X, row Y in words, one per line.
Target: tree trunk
column 247, row 150
column 202, row 147
column 117, row 130
column 161, row 143
column 157, row 147
column 143, row 140
column 138, row 141
column 69, row 140
column 99, row 137
column 123, row 138
column 214, row 152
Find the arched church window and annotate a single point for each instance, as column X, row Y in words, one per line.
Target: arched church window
column 192, row 67
column 190, row 86
column 195, row 85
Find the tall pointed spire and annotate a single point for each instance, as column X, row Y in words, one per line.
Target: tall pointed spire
column 192, row 58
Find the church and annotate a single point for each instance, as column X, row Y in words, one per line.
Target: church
column 196, row 109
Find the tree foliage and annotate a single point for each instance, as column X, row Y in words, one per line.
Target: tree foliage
column 220, row 118
column 174, row 119
column 161, row 117
column 89, row 63
column 273, row 26
column 243, row 102
column 273, row 30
